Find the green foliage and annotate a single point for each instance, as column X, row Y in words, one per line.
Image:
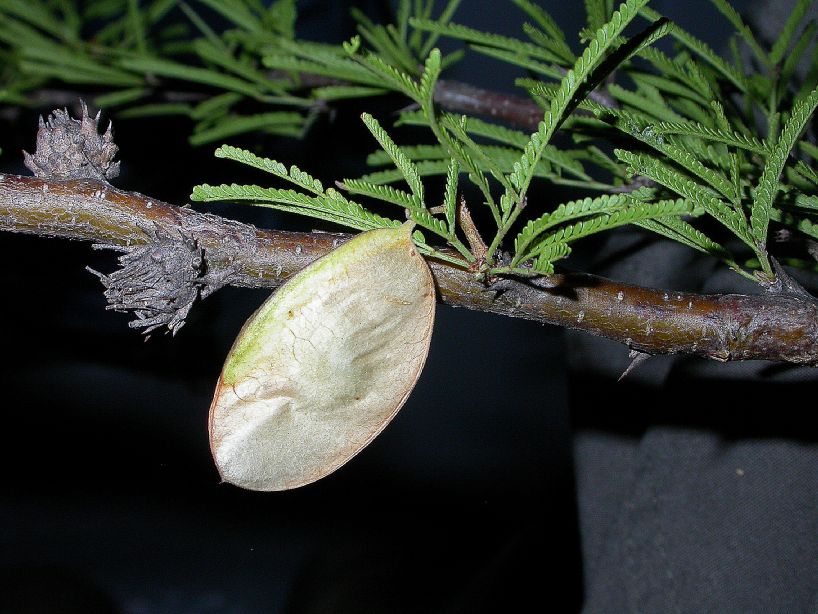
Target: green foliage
column 705, row 133
column 564, row 99
column 328, row 204
column 563, row 102
column 555, row 245
column 768, row 183
column 564, row 212
column 677, row 182
column 707, row 137
column 404, row 164
column 682, row 231
column 794, row 22
column 703, row 50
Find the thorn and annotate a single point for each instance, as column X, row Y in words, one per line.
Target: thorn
column 786, row 284
column 637, row 358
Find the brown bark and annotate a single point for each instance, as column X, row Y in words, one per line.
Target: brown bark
column 464, row 98
column 779, row 327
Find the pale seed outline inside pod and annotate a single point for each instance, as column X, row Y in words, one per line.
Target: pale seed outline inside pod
column 324, row 364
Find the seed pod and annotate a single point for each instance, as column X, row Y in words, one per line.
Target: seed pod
column 324, row 364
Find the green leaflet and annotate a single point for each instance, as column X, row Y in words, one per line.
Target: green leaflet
column 646, row 133
column 544, row 20
column 413, row 152
column 687, row 74
column 387, row 74
column 672, row 87
column 596, row 12
column 562, row 52
column 340, row 92
column 175, row 70
column 486, row 39
column 328, row 204
column 767, row 186
column 701, row 48
column 652, row 109
column 570, row 85
column 564, row 212
column 665, row 175
column 321, row 60
column 794, row 21
column 734, row 18
column 554, row 161
column 401, row 160
column 450, row 195
column 486, row 157
column 388, row 42
column 417, row 213
column 237, row 12
column 280, row 122
column 606, row 221
column 604, row 212
column 331, row 207
column 720, row 136
column 39, row 15
column 807, row 172
column 382, row 192
column 519, row 59
column 681, row 231
column 444, row 18
column 425, row 168
column 558, row 157
column 562, row 160
column 790, row 64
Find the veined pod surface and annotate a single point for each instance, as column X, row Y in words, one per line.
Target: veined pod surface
column 324, row 364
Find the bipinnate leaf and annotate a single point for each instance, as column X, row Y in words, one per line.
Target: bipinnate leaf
column 768, row 185
column 325, row 363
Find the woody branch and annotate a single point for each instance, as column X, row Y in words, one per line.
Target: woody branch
column 779, row 327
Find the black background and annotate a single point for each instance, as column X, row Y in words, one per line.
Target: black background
column 518, row 476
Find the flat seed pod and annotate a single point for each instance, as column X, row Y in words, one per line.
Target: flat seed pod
column 324, row 364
